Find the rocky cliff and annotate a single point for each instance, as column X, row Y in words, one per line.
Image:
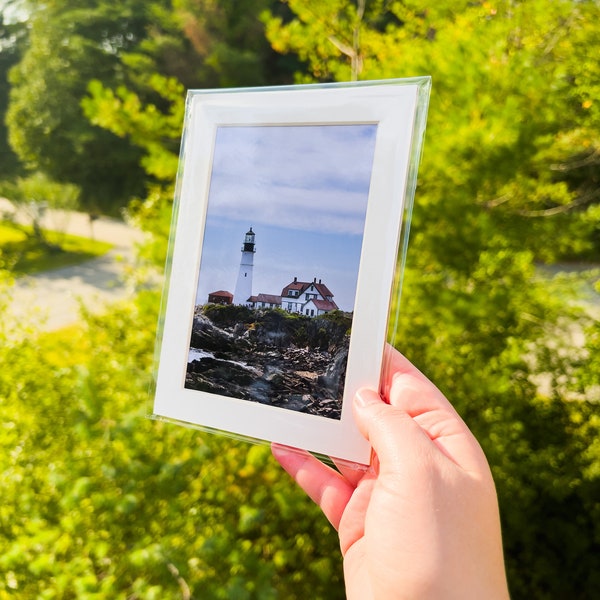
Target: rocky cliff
column 271, row 357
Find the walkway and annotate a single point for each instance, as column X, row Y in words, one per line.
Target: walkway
column 52, row 300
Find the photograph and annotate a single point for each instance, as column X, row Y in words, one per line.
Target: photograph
column 279, row 268
column 286, row 246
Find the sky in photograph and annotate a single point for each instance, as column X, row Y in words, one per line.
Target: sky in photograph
column 303, row 190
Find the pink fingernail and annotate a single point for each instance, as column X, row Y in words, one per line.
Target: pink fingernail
column 365, row 397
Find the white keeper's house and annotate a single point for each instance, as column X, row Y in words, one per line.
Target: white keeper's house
column 311, row 298
column 264, row 301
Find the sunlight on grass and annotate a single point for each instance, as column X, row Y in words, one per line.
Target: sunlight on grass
column 22, row 254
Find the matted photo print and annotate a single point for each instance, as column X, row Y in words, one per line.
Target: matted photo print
column 290, row 207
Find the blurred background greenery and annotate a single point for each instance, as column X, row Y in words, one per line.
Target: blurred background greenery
column 499, row 306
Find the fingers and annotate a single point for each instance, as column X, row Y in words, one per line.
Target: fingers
column 407, row 388
column 351, row 473
column 412, row 392
column 395, row 363
column 393, row 434
column 418, row 422
column 325, row 486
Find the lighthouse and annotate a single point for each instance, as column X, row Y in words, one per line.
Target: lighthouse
column 243, row 287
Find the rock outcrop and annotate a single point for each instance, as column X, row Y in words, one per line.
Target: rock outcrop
column 286, row 361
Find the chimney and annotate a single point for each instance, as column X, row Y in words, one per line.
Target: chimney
column 295, row 280
column 319, row 281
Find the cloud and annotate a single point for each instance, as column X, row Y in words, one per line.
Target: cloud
column 298, row 177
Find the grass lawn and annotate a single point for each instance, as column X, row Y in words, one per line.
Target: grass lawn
column 22, row 254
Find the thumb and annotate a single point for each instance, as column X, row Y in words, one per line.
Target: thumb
column 391, row 431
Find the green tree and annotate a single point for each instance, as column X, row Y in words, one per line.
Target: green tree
column 196, row 43
column 156, row 128
column 228, row 41
column 509, row 176
column 12, row 36
column 69, row 45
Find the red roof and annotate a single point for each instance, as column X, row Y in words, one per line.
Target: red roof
column 295, row 285
column 267, row 298
column 325, row 305
column 323, row 290
column 302, row 286
column 222, row 294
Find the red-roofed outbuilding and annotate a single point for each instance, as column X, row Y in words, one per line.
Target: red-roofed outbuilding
column 220, row 297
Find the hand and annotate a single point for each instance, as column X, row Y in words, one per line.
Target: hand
column 422, row 522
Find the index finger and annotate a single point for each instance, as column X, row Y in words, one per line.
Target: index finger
column 325, row 487
column 411, row 391
column 419, row 395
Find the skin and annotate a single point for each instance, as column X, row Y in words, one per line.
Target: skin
column 422, row 522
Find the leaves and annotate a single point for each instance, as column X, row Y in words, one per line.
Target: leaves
column 509, row 176
column 99, row 500
column 47, row 129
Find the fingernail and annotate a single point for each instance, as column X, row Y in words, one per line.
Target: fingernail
column 365, row 397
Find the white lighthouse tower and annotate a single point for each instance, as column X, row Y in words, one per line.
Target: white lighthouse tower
column 243, row 287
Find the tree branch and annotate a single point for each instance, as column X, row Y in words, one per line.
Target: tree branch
column 592, row 159
column 186, row 593
column 549, row 212
column 353, row 52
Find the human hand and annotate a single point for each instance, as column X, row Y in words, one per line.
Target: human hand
column 423, row 521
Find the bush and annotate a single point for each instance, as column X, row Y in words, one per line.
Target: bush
column 98, row 501
column 228, row 315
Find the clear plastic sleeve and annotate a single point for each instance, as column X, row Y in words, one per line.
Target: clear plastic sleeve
column 288, row 240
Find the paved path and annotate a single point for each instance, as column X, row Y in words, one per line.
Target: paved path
column 52, row 299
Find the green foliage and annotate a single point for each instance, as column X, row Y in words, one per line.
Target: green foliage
column 98, row 501
column 68, row 46
column 192, row 44
column 228, row 40
column 12, row 36
column 509, row 176
column 122, row 112
column 339, row 318
column 32, row 195
column 21, row 253
column 326, row 332
column 40, row 190
column 228, row 315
